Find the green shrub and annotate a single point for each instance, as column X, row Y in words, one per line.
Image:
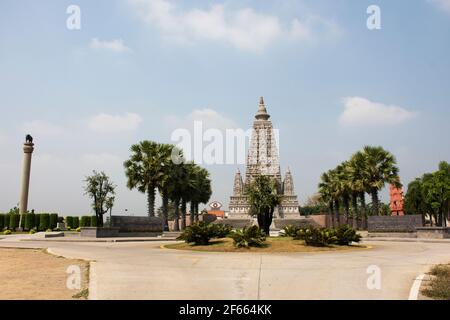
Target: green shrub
column 32, row 231
column 69, row 222
column 44, row 222
column 346, row 235
column 2, row 221
column 76, row 222
column 94, row 221
column 290, row 231
column 85, row 221
column 53, row 220
column 7, row 232
column 78, row 229
column 199, row 233
column 251, row 236
column 317, row 237
column 37, row 220
column 49, row 230
column 30, row 221
column 220, row 230
column 14, row 220
column 22, row 220
column 6, row 224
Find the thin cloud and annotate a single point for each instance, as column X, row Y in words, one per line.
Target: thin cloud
column 115, row 45
column 363, row 112
column 41, row 128
column 442, row 4
column 244, row 29
column 107, row 123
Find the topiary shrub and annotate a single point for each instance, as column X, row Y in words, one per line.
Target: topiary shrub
column 37, row 220
column 317, row 237
column 53, row 221
column 22, row 220
column 251, row 236
column 49, row 230
column 220, row 230
column 7, row 218
column 2, row 221
column 7, row 232
column 199, row 233
column 94, row 221
column 346, row 235
column 76, row 222
column 290, row 231
column 69, row 222
column 44, row 222
column 14, row 220
column 78, row 229
column 32, row 231
column 85, row 221
column 30, row 221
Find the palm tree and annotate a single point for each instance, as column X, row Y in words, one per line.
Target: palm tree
column 144, row 170
column 201, row 191
column 355, row 169
column 380, row 167
column 263, row 199
column 167, row 151
column 344, row 188
column 326, row 194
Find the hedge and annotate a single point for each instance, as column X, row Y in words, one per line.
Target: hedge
column 94, row 221
column 44, row 222
column 53, row 220
column 14, row 220
column 30, row 221
column 2, row 221
column 69, row 222
column 85, row 221
column 76, row 222
column 22, row 220
column 37, row 220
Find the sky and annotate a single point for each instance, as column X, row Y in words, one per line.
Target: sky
column 140, row 69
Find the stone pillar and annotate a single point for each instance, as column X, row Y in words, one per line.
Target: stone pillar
column 28, row 149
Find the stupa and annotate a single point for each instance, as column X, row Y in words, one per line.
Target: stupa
column 263, row 159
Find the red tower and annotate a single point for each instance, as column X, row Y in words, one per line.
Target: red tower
column 396, row 201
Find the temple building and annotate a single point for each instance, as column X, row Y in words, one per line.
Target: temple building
column 263, row 159
column 397, row 201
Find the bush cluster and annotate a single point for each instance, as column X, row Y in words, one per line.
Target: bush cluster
column 343, row 236
column 251, row 236
column 200, row 233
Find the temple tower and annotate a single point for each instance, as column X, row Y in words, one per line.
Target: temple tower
column 263, row 158
column 397, row 201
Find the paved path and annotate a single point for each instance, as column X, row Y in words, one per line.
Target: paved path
column 145, row 271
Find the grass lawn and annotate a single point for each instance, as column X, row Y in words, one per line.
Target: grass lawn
column 439, row 286
column 275, row 244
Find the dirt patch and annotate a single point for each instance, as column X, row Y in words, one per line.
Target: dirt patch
column 273, row 245
column 32, row 274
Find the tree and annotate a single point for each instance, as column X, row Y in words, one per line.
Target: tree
column 354, row 172
column 145, row 169
column 415, row 201
column 263, row 199
column 437, row 193
column 101, row 190
column 380, row 167
column 326, row 194
column 168, row 152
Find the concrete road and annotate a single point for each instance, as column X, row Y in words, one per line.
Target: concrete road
column 145, row 271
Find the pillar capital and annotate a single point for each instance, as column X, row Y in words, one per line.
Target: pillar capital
column 28, row 147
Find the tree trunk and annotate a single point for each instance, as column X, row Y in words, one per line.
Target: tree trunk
column 375, row 202
column 165, row 209
column 192, row 213
column 355, row 210
column 362, row 200
column 176, row 222
column 337, row 208
column 183, row 214
column 151, row 201
column 196, row 212
column 331, row 213
column 347, row 209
